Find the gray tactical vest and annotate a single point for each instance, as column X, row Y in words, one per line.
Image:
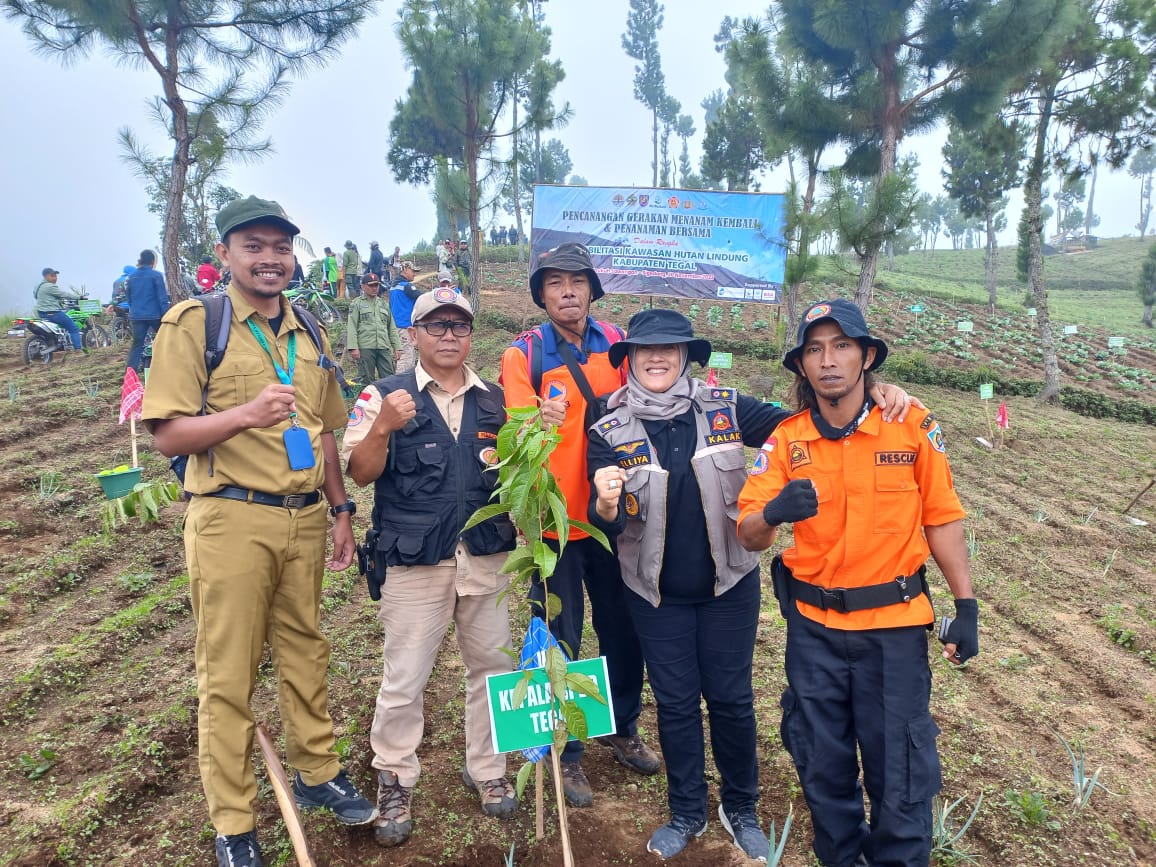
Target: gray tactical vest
column 719, row 464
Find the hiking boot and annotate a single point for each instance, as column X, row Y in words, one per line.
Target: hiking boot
column 743, row 826
column 394, row 823
column 238, row 850
column 633, row 753
column 672, row 837
column 338, row 796
column 575, row 786
column 498, row 797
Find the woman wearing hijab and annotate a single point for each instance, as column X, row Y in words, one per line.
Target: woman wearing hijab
column 667, row 463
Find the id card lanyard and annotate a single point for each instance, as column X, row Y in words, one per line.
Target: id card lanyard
column 298, row 448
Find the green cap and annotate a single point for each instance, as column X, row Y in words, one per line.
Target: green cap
column 241, row 212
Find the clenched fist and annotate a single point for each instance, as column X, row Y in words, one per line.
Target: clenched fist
column 397, row 408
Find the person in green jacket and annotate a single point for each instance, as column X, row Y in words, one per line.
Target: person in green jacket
column 351, row 262
column 51, row 302
column 329, row 272
column 372, row 337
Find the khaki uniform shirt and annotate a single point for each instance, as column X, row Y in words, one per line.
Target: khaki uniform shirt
column 371, row 324
column 254, row 458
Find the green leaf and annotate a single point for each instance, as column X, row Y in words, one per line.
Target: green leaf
column 575, row 719
column 553, row 606
column 546, row 558
column 578, row 682
column 557, row 506
column 517, row 559
column 556, row 670
column 523, row 778
column 484, row 514
column 521, row 689
column 561, row 735
column 592, row 531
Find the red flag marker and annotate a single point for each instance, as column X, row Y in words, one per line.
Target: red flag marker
column 131, row 395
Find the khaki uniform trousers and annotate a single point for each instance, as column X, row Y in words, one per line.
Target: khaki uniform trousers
column 408, row 358
column 255, row 576
column 417, row 605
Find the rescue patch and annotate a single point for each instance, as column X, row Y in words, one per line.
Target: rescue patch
column 935, row 437
column 818, row 312
column 633, row 454
column 892, row 459
column 609, row 424
column 356, row 415
column 631, row 506
column 555, row 390
column 927, row 422
column 800, row 454
column 722, row 394
column 488, row 456
column 762, row 462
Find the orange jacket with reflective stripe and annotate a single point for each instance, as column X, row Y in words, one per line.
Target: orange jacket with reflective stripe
column 877, row 489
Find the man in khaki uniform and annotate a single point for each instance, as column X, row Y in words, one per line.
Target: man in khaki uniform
column 425, row 439
column 372, row 337
column 260, row 456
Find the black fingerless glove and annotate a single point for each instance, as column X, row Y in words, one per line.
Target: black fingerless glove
column 964, row 630
column 796, row 502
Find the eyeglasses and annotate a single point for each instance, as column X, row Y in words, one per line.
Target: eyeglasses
column 439, row 327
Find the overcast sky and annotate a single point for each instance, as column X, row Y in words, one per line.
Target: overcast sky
column 71, row 203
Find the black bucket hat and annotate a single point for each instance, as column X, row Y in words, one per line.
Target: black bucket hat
column 659, row 327
column 565, row 257
column 848, row 317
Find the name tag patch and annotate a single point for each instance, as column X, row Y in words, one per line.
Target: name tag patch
column 891, row 459
column 633, row 454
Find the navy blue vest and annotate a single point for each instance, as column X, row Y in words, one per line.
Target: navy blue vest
column 432, row 483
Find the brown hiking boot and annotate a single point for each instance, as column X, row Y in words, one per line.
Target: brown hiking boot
column 575, row 786
column 498, row 797
column 394, row 823
column 633, row 753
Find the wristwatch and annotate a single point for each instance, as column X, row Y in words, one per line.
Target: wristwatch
column 347, row 506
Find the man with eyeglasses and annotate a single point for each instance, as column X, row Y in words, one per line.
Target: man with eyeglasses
column 426, row 439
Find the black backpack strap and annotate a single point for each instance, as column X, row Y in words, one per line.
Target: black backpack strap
column 307, row 319
column 218, row 323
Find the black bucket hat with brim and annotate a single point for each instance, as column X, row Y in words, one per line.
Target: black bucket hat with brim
column 848, row 317
column 659, row 327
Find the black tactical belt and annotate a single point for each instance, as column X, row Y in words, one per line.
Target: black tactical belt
column 904, row 588
column 290, row 501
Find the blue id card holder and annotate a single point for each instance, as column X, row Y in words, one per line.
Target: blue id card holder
column 298, row 448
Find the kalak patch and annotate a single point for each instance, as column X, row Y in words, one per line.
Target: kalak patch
column 800, row 454
column 894, row 459
column 720, row 420
column 633, row 454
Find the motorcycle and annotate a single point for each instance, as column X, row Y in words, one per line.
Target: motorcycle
column 45, row 340
column 86, row 313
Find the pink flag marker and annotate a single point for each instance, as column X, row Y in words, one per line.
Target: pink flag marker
column 131, row 396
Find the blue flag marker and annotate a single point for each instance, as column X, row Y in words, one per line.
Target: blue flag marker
column 538, row 641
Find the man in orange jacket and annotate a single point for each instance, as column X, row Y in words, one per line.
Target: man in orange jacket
column 564, row 283
column 869, row 501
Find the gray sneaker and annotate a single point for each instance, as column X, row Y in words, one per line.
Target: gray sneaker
column 743, row 826
column 672, row 837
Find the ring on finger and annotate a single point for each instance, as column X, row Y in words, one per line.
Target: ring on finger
column 612, row 484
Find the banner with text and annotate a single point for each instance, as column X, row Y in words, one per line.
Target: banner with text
column 531, row 724
column 680, row 243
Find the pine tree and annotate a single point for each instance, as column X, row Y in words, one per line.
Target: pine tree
column 640, row 42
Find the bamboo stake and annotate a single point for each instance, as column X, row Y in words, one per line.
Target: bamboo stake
column 563, row 824
column 285, row 799
column 539, row 801
column 1136, row 499
column 132, row 435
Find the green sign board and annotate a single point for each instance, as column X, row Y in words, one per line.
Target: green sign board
column 966, row 325
column 1115, row 342
column 986, row 391
column 1031, row 311
column 721, row 360
column 916, row 308
column 532, row 723
column 1071, row 329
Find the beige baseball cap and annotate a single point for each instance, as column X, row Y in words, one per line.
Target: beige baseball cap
column 439, row 299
